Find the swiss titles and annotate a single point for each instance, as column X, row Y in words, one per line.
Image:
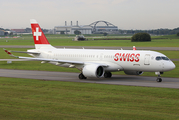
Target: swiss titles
column 131, row 57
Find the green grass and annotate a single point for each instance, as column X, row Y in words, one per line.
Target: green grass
column 59, row 40
column 37, row 99
column 167, row 36
column 170, row 54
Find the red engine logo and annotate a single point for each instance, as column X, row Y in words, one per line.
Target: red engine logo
column 127, row 57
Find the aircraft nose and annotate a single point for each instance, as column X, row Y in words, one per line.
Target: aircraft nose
column 170, row 66
column 173, row 66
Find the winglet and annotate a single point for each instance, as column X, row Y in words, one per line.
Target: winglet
column 9, row 53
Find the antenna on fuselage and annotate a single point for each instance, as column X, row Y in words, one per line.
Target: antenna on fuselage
column 134, row 48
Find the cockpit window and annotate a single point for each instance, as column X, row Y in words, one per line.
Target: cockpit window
column 161, row 58
column 165, row 58
column 158, row 58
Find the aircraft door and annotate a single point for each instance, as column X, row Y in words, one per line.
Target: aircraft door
column 147, row 59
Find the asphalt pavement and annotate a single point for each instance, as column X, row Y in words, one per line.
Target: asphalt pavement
column 73, row 77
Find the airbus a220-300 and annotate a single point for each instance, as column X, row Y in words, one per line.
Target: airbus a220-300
column 97, row 62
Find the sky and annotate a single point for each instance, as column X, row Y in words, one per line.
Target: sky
column 126, row 14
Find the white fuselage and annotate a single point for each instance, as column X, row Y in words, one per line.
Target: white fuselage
column 116, row 60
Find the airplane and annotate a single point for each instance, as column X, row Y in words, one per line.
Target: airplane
column 96, row 63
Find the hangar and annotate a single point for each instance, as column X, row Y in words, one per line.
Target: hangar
column 1, row 32
column 70, row 29
column 87, row 29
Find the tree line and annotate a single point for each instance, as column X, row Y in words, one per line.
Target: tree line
column 152, row 32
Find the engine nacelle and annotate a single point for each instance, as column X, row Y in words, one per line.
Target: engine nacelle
column 133, row 72
column 93, row 70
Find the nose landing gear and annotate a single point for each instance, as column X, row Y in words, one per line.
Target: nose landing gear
column 159, row 79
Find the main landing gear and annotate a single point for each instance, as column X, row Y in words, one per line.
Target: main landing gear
column 81, row 76
column 107, row 74
column 159, row 79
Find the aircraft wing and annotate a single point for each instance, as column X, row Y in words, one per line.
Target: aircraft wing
column 9, row 52
column 14, row 60
column 61, row 61
column 52, row 60
column 40, row 59
column 25, row 52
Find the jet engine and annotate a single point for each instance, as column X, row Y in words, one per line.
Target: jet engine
column 93, row 70
column 133, row 72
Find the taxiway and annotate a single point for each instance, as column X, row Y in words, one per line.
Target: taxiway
column 73, row 77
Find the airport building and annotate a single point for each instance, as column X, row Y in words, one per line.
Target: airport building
column 18, row 31
column 87, row 29
column 107, row 28
column 1, row 32
column 72, row 28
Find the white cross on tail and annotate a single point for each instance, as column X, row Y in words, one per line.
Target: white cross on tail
column 37, row 33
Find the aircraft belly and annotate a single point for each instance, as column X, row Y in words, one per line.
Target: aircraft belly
column 60, row 64
column 113, row 67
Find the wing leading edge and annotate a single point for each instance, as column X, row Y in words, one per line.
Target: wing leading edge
column 49, row 60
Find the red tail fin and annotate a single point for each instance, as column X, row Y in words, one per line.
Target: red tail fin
column 38, row 35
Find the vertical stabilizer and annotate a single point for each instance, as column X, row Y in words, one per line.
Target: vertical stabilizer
column 39, row 37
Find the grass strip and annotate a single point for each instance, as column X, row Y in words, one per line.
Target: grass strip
column 56, row 40
column 37, row 99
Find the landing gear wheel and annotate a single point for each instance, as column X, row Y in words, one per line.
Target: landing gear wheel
column 107, row 74
column 159, row 80
column 81, row 76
